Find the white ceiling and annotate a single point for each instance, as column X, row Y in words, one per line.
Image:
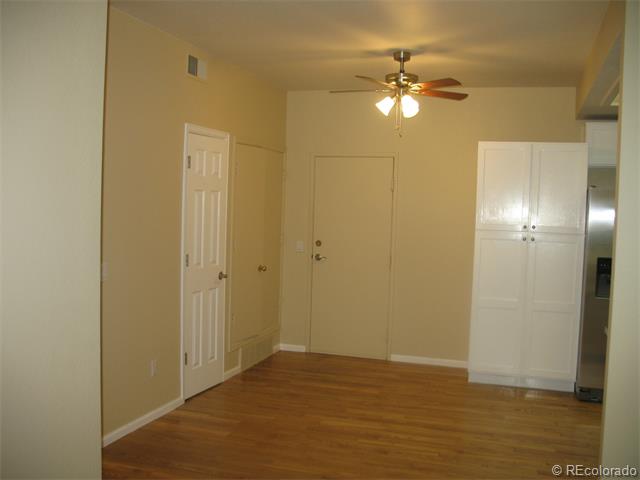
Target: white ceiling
column 317, row 45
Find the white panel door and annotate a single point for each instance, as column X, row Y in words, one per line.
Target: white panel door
column 558, row 187
column 205, row 233
column 351, row 255
column 502, row 198
column 498, row 302
column 554, row 286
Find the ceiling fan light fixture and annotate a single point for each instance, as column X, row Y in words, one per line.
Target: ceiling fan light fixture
column 385, row 105
column 410, row 107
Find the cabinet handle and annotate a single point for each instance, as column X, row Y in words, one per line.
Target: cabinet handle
column 524, row 227
column 533, row 227
column 533, row 239
column 524, row 238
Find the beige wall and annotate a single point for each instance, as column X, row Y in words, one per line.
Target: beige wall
column 601, row 70
column 149, row 97
column 436, row 198
column 621, row 415
column 52, row 93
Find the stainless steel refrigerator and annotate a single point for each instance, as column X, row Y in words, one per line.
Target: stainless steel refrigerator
column 597, row 283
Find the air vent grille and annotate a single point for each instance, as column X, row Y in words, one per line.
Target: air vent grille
column 196, row 67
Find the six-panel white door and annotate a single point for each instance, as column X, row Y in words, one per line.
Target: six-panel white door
column 204, row 244
column 558, row 187
column 498, row 301
column 554, row 286
column 503, row 185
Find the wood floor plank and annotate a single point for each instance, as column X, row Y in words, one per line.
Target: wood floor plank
column 298, row 415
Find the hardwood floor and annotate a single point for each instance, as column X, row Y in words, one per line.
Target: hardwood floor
column 299, row 415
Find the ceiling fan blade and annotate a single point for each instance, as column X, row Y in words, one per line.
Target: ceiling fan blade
column 440, row 94
column 354, row 91
column 441, row 82
column 369, row 79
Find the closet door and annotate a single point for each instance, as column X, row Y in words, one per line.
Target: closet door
column 502, row 197
column 554, row 286
column 558, row 187
column 272, row 211
column 255, row 272
column 498, row 302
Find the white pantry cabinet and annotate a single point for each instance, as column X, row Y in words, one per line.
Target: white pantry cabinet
column 528, row 259
column 531, row 186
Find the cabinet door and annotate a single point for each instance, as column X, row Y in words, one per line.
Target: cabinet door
column 554, row 285
column 502, row 198
column 498, row 302
column 558, row 187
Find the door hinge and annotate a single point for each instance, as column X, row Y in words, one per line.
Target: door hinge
column 186, row 358
column 188, row 161
column 186, row 260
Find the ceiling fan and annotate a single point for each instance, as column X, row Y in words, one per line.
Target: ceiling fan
column 402, row 85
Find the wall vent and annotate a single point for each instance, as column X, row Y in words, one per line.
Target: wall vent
column 196, row 67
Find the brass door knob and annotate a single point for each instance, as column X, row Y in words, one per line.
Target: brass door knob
column 222, row 276
column 262, row 268
column 319, row 257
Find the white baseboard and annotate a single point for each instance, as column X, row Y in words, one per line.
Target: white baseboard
column 276, row 348
column 524, row 382
column 439, row 362
column 287, row 347
column 231, row 373
column 141, row 421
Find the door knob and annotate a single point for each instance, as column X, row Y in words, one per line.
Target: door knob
column 222, row 276
column 262, row 268
column 319, row 257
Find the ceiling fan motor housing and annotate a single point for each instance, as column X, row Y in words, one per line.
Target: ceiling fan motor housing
column 401, row 79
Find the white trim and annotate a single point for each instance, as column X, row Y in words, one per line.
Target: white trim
column 207, row 132
column 141, row 421
column 287, row 347
column 524, row 382
column 440, row 362
column 276, row 348
column 231, row 373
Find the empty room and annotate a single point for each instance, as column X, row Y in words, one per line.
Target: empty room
column 308, row 239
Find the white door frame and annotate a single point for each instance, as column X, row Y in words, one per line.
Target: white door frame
column 311, row 159
column 207, row 132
